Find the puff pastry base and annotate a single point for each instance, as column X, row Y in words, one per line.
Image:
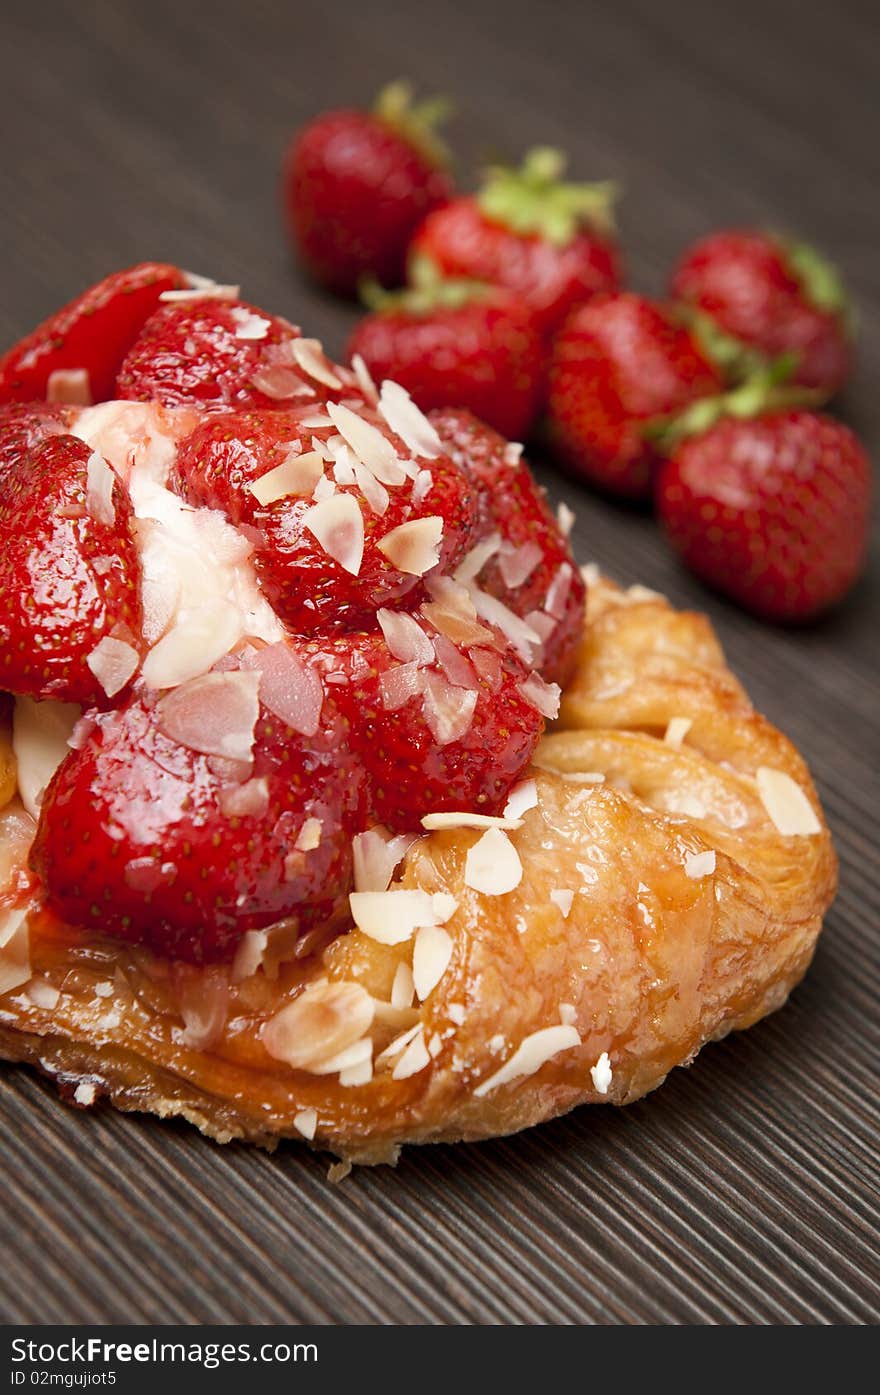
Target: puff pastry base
column 691, row 915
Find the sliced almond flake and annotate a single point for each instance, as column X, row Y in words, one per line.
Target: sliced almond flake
column 473, row 562
column 206, row 290
column 314, row 421
column 543, row 696
column 364, row 379
column 564, row 899
column 376, row 856
column 324, row 489
column 456, row 666
column 601, row 1074
column 567, row 1014
column 533, row 1052
column 281, row 383
column 492, row 865
column 399, row 1043
column 557, row 593
column 370, row 447
column 466, row 819
column 249, row 954
column 15, row 961
column 454, row 624
column 448, row 710
column 456, row 1013
column 350, row 1058
column 324, row 1020
column 375, row 493
column 391, row 917
column 513, row 452
column 305, row 1121
column 408, row 422
column 343, row 468
column 542, row 623
column 405, row 637
column 113, row 662
column 296, row 475
column 201, row 637
column 216, row 714
column 398, row 685
column 100, row 480
column 676, row 730
column 289, row 688
column 517, row 564
column 309, row 836
column 414, row 1058
column 338, row 525
column 403, row 987
column 591, row 573
column 204, row 1008
column 43, row 994
column 71, row 386
column 311, row 358
column 521, row 636
column 700, row 864
column 413, row 547
column 522, row 797
column 422, row 486
column 565, row 519
column 578, row 777
column 249, row 326
column 788, row 807
column 85, row 1093
column 432, row 952
column 360, row 1074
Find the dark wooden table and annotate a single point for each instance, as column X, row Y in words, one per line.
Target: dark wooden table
column 746, row 1189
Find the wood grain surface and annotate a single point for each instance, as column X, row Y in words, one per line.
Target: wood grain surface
column 745, row 1190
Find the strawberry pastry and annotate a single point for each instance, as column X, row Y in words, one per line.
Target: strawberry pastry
column 285, row 845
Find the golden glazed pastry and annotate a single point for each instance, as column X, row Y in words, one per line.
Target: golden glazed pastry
column 661, row 882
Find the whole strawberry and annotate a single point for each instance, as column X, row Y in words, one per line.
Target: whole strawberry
column 550, row 243
column 771, row 509
column 620, row 365
column 776, row 296
column 356, row 185
column 457, row 343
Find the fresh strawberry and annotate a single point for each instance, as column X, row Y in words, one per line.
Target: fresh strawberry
column 310, row 586
column 531, row 570
column 771, row 509
column 149, row 840
column 550, row 243
column 776, row 296
column 69, row 572
column 620, row 365
column 435, row 732
column 93, row 334
column 23, row 427
column 357, row 184
column 457, row 343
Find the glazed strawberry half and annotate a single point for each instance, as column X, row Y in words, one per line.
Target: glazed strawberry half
column 286, row 620
column 549, row 242
column 356, row 185
column 774, row 295
column 74, row 356
column 454, row 342
column 621, row 365
column 767, row 503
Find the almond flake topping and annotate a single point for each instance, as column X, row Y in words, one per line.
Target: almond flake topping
column 338, row 525
column 71, row 386
column 700, row 864
column 522, row 797
column 405, row 638
column 113, row 662
column 533, row 1052
column 376, row 857
column 398, row 685
column 395, row 1047
column 492, row 865
column 448, row 710
column 408, row 421
column 325, row 1020
column 557, row 594
column 432, row 952
column 390, row 917
column 311, row 358
column 290, row 689
column 465, row 819
column 248, row 325
column 414, row 1058
column 375, row 493
column 563, row 899
column 199, row 638
column 205, row 290
column 414, row 547
column 305, row 1121
column 364, row 379
column 215, row 715
column 369, row 445
column 788, row 807
column 248, row 800
column 516, row 564
column 565, row 519
column 297, row 474
column 545, row 697
column 403, row 988
column 85, row 1093
column 309, row 835
column 676, row 730
column 15, row 963
column 601, row 1074
column 99, row 490
column 473, row 562
column 523, row 638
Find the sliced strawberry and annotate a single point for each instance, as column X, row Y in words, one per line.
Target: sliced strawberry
column 93, row 333
column 316, row 573
column 69, row 572
column 443, row 747
column 148, row 840
column 23, row 427
column 218, row 353
column 532, row 571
